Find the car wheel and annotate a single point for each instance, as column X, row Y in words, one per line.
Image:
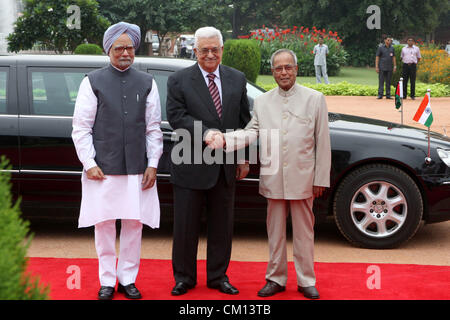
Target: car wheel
column 378, row 206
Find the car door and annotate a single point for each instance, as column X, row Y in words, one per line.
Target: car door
column 9, row 123
column 50, row 170
column 163, row 174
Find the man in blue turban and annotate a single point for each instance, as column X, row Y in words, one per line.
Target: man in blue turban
column 117, row 136
column 116, row 30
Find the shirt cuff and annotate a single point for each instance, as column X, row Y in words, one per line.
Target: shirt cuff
column 89, row 164
column 153, row 163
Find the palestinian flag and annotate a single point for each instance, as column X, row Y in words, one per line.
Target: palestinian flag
column 424, row 114
column 399, row 95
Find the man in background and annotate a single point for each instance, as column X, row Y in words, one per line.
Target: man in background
column 385, row 64
column 320, row 61
column 410, row 56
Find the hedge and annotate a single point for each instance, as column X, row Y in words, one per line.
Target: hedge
column 243, row 55
column 349, row 89
column 88, row 48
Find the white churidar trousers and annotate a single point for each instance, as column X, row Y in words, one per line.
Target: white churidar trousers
column 129, row 254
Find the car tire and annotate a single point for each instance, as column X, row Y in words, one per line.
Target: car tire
column 378, row 206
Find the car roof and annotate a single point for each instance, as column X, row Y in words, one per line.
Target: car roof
column 92, row 61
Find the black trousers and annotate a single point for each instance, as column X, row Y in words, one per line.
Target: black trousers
column 384, row 76
column 188, row 204
column 409, row 72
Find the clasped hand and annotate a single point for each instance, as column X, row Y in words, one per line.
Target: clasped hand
column 214, row 139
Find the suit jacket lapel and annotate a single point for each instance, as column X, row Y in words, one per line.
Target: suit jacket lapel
column 199, row 85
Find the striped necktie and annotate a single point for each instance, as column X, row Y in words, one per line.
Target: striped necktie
column 215, row 93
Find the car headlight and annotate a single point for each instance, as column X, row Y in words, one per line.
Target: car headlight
column 444, row 155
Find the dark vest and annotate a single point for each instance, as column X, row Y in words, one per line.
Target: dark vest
column 119, row 129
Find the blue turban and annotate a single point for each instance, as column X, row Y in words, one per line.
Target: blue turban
column 116, row 30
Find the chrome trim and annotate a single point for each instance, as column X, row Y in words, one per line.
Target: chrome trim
column 35, row 116
column 57, row 172
column 15, row 116
column 446, row 182
column 164, row 175
column 10, row 171
column 50, row 172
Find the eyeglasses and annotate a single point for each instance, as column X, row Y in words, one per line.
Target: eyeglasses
column 120, row 49
column 288, row 68
column 206, row 51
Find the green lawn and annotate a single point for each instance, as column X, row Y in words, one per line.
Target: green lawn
column 366, row 76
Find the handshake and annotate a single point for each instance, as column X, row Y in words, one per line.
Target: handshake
column 215, row 139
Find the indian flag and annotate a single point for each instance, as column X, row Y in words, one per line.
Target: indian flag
column 399, row 94
column 424, row 114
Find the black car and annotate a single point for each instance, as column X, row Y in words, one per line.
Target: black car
column 381, row 185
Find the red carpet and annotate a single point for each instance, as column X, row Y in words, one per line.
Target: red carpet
column 335, row 281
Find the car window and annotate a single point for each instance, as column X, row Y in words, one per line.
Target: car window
column 161, row 81
column 3, row 88
column 252, row 93
column 54, row 92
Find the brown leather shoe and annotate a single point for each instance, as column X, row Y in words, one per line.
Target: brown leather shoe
column 270, row 289
column 309, row 292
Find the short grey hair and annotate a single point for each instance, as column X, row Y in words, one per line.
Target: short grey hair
column 292, row 53
column 207, row 32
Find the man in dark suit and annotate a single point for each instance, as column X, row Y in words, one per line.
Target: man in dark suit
column 202, row 99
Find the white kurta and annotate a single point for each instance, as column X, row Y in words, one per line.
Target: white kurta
column 118, row 196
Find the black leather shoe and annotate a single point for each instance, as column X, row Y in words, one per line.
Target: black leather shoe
column 131, row 292
column 180, row 288
column 388, row 97
column 105, row 293
column 413, row 98
column 380, row 97
column 270, row 289
column 224, row 287
column 309, row 292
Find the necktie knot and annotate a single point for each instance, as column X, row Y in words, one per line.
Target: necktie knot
column 211, row 76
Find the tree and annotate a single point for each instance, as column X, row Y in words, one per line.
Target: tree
column 15, row 282
column 248, row 15
column 163, row 16
column 45, row 22
column 349, row 19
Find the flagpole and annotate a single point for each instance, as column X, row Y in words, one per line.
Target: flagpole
column 401, row 97
column 428, row 158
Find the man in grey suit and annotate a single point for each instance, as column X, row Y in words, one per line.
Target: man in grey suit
column 291, row 122
column 204, row 96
